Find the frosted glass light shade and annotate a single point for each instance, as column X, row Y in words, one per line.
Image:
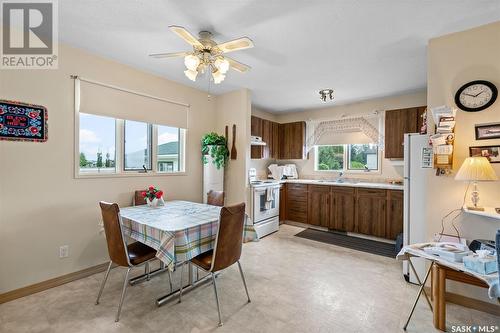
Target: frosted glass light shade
column 191, row 74
column 222, row 65
column 191, row 62
column 476, row 169
column 218, row 77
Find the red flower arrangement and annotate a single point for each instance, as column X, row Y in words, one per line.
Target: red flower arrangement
column 152, row 193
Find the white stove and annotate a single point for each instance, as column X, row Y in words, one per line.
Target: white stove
column 265, row 206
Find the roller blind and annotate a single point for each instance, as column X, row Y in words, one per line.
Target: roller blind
column 106, row 100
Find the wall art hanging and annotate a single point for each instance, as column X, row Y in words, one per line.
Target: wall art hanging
column 22, row 121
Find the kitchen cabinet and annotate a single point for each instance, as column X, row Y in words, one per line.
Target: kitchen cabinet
column 371, row 212
column 397, row 123
column 256, row 152
column 318, row 212
column 342, row 208
column 268, row 131
column 296, row 202
column 292, row 138
column 394, row 225
column 282, row 203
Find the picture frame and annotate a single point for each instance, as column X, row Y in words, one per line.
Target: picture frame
column 488, row 131
column 492, row 153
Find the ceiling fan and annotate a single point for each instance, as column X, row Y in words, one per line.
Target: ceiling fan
column 207, row 55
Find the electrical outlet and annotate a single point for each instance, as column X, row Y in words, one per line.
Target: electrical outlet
column 64, row 251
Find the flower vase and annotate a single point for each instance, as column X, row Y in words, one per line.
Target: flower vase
column 152, row 203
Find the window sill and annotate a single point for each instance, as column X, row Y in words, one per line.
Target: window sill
column 355, row 172
column 129, row 174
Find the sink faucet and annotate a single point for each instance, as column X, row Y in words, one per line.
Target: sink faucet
column 339, row 178
column 366, row 168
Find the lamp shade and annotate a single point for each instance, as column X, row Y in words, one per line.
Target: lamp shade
column 476, row 169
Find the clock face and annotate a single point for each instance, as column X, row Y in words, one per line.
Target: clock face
column 476, row 96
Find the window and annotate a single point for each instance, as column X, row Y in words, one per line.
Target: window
column 363, row 157
column 168, row 157
column 114, row 146
column 97, row 144
column 137, row 146
column 352, row 157
column 330, row 158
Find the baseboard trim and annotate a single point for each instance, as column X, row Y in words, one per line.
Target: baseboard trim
column 470, row 303
column 55, row 282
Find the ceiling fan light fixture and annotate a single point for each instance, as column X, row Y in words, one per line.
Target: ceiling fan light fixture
column 192, row 62
column 222, row 65
column 218, row 76
column 191, row 74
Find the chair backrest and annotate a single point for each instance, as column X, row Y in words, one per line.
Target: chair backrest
column 229, row 237
column 215, row 198
column 114, row 237
column 138, row 198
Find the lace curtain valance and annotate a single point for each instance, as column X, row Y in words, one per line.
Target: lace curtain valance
column 315, row 130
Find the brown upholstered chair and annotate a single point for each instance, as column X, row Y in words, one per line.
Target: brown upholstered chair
column 122, row 254
column 227, row 248
column 215, row 198
column 138, row 198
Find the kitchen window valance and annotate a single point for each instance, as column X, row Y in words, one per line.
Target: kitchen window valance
column 353, row 130
column 111, row 101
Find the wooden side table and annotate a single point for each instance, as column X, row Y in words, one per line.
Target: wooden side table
column 438, row 286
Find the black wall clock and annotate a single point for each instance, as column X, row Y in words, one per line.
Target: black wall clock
column 476, row 96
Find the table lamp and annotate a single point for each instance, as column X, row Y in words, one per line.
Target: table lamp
column 476, row 169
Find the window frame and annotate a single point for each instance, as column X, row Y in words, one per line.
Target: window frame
column 120, row 153
column 346, row 157
column 149, row 145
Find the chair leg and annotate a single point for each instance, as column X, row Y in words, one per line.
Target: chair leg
column 180, row 289
column 125, row 284
column 147, row 270
column 170, row 280
column 103, row 282
column 217, row 298
column 244, row 282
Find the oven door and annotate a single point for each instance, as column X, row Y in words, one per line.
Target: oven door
column 262, row 208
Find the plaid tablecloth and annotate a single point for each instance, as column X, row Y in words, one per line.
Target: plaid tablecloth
column 179, row 231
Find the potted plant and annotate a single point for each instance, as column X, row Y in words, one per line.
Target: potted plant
column 153, row 196
column 215, row 146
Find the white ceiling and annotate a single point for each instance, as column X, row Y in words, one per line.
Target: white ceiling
column 360, row 48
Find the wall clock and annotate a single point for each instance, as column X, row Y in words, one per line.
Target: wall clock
column 476, row 95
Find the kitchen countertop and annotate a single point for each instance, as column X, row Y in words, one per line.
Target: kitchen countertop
column 364, row 184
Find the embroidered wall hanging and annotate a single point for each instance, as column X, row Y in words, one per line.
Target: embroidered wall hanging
column 22, row 121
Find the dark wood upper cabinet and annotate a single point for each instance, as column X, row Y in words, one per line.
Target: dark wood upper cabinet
column 256, row 130
column 394, row 225
column 318, row 212
column 292, row 138
column 397, row 123
column 371, row 212
column 342, row 209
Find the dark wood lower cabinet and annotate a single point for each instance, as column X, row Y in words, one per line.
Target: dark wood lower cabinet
column 282, row 203
column 318, row 211
column 371, row 212
column 375, row 212
column 296, row 202
column 394, row 225
column 342, row 209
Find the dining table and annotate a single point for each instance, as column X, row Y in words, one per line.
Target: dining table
column 179, row 231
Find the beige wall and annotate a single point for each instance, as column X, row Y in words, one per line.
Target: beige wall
column 389, row 170
column 452, row 61
column 235, row 108
column 42, row 206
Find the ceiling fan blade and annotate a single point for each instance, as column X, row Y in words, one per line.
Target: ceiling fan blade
column 186, row 35
column 238, row 66
column 235, row 45
column 169, row 55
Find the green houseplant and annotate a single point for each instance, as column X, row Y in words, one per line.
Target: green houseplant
column 214, row 145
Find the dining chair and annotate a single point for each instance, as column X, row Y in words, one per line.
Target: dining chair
column 215, row 198
column 120, row 253
column 138, row 198
column 226, row 251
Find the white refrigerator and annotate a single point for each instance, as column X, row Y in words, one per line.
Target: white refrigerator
column 416, row 172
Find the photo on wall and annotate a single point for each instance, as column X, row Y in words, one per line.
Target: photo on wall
column 492, row 153
column 488, row 131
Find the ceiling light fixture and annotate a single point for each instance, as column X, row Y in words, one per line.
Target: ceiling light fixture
column 326, row 94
